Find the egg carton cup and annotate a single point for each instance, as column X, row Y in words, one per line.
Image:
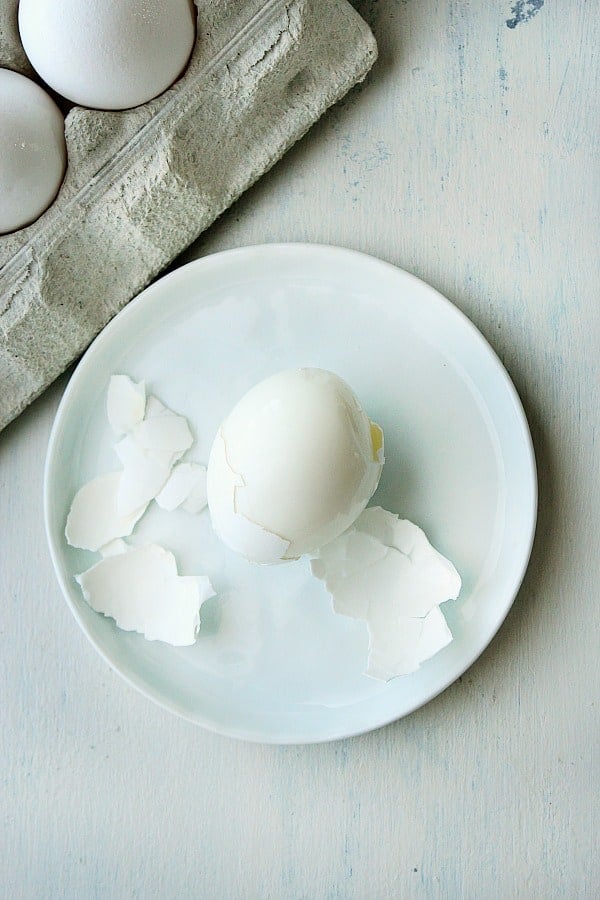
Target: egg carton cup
column 142, row 184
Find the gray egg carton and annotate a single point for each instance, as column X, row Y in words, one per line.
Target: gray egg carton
column 143, row 184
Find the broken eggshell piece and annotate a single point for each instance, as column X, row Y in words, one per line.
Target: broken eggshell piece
column 114, row 547
column 154, row 438
column 383, row 570
column 292, row 466
column 125, row 403
column 185, row 487
column 94, row 519
column 163, row 434
column 141, row 590
column 148, row 452
column 240, row 534
column 143, row 475
column 398, row 646
column 139, row 586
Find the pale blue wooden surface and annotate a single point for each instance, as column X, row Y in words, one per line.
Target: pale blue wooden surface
column 470, row 157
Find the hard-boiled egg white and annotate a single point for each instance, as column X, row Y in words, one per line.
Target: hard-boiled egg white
column 292, row 466
column 106, row 54
column 33, row 153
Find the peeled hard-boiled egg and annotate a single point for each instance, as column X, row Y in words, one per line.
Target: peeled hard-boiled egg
column 33, row 154
column 107, row 54
column 292, row 466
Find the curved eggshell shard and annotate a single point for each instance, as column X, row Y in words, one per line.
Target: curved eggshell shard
column 398, row 646
column 241, row 534
column 142, row 592
column 148, row 453
column 125, row 403
column 154, row 407
column 94, row 519
column 113, row 548
column 393, row 646
column 185, row 487
column 163, row 434
column 254, row 542
column 197, row 499
column 340, row 562
column 384, row 571
column 143, row 475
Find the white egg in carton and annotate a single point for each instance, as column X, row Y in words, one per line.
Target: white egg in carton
column 141, row 184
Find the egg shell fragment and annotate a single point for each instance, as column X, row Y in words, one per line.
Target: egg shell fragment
column 154, row 407
column 149, row 451
column 197, row 499
column 125, row 403
column 94, row 519
column 185, row 487
column 142, row 592
column 386, row 557
column 241, row 534
column 398, row 647
column 143, row 475
column 383, row 570
column 163, row 433
column 114, row 548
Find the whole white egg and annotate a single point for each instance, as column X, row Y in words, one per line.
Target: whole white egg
column 33, row 153
column 108, row 54
column 292, row 466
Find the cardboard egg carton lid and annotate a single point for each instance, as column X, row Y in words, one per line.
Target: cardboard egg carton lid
column 142, row 184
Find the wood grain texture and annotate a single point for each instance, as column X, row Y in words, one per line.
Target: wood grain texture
column 469, row 158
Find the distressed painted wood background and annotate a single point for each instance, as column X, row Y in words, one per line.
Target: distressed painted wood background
column 470, row 157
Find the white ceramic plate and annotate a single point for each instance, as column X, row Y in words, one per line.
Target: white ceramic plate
column 273, row 663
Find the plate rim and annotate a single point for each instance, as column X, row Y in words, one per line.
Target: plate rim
column 246, row 734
